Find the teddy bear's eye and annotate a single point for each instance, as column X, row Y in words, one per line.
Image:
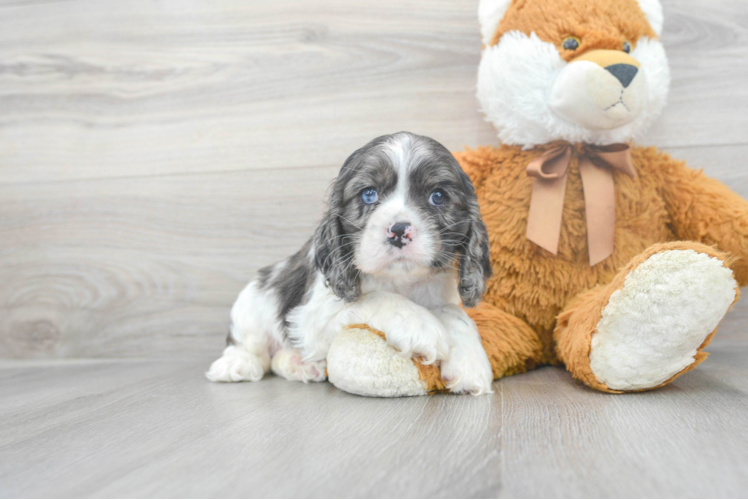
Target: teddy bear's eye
column 571, row 43
column 626, row 47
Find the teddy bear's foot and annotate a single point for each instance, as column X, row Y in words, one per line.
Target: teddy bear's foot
column 652, row 328
column 650, row 324
column 361, row 362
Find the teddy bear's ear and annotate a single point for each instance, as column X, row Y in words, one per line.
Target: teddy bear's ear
column 653, row 10
column 490, row 13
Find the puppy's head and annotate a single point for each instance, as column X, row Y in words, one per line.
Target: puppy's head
column 401, row 208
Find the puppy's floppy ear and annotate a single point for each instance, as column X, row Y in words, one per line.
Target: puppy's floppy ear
column 333, row 251
column 475, row 255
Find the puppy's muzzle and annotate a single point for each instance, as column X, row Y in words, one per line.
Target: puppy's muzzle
column 399, row 234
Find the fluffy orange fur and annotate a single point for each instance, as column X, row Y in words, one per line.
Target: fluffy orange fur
column 531, row 288
column 607, row 23
column 543, row 309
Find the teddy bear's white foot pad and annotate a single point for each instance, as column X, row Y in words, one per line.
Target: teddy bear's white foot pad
column 361, row 362
column 651, row 329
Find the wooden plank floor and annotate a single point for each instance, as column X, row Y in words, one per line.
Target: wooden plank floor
column 154, row 428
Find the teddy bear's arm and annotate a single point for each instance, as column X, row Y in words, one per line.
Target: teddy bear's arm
column 477, row 163
column 704, row 210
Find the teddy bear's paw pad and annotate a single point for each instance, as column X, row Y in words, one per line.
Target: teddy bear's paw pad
column 361, row 362
column 652, row 328
column 288, row 363
column 238, row 365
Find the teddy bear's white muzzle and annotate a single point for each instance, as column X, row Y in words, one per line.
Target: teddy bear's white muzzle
column 599, row 98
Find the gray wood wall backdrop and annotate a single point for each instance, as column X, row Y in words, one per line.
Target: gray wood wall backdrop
column 155, row 154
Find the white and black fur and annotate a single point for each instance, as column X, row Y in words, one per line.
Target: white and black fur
column 402, row 265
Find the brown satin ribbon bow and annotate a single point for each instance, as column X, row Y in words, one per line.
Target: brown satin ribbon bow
column 596, row 165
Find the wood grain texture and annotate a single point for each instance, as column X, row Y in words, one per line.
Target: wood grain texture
column 686, row 440
column 156, row 428
column 154, row 155
column 143, row 88
column 143, row 266
column 90, row 89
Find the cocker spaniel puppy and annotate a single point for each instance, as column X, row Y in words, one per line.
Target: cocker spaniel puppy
column 401, row 245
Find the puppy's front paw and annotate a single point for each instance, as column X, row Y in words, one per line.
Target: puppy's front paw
column 467, row 372
column 416, row 332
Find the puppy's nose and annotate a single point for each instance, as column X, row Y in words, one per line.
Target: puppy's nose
column 399, row 234
column 624, row 72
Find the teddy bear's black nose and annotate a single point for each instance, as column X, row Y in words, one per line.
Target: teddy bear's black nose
column 624, row 72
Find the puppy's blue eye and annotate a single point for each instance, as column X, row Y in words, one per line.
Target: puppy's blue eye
column 369, row 196
column 437, row 197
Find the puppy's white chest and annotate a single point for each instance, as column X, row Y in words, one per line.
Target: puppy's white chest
column 429, row 292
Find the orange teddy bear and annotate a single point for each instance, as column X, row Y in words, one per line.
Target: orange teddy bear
column 617, row 261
